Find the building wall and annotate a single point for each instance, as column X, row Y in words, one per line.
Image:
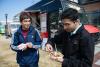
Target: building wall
column 92, row 11
column 92, row 7
column 83, row 2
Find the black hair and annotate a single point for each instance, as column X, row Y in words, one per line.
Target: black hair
column 71, row 14
column 25, row 15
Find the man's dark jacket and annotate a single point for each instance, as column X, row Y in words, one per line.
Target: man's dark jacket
column 78, row 49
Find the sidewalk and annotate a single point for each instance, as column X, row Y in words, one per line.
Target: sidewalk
column 97, row 56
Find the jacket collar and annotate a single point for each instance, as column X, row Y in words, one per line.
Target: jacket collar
column 79, row 30
column 75, row 31
column 30, row 29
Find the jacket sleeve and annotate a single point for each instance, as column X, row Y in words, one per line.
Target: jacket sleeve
column 86, row 51
column 56, row 40
column 14, row 43
column 38, row 40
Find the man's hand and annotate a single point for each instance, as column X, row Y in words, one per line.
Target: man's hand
column 36, row 46
column 29, row 45
column 57, row 56
column 49, row 48
column 59, row 59
column 22, row 46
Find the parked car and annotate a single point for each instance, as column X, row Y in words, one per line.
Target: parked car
column 2, row 29
column 14, row 26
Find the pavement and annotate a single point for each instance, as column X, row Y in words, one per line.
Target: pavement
column 97, row 55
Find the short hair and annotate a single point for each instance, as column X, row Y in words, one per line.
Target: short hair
column 25, row 15
column 71, row 14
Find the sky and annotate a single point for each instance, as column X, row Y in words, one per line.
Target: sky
column 12, row 7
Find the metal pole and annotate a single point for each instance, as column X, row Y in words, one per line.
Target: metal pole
column 6, row 15
column 6, row 26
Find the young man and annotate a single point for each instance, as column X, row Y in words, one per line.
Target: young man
column 25, row 42
column 78, row 45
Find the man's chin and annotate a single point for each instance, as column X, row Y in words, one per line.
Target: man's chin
column 67, row 30
column 26, row 28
